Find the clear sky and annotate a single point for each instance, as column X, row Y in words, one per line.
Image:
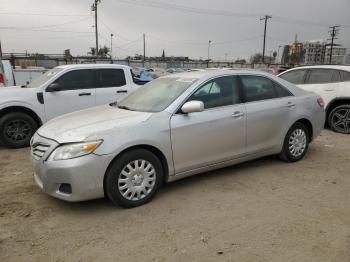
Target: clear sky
column 182, row 27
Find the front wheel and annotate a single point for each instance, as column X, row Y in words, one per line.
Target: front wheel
column 296, row 143
column 16, row 129
column 133, row 178
column 339, row 119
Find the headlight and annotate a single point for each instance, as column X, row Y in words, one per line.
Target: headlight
column 74, row 150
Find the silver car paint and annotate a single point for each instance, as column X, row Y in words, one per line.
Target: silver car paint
column 190, row 144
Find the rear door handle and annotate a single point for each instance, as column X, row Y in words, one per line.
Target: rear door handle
column 237, row 114
column 85, row 94
column 290, row 104
column 122, row 91
column 329, row 89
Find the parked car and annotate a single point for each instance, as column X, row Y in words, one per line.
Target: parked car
column 61, row 90
column 17, row 76
column 332, row 83
column 6, row 74
column 175, row 126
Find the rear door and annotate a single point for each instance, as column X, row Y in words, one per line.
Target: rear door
column 269, row 108
column 77, row 92
column 324, row 82
column 111, row 85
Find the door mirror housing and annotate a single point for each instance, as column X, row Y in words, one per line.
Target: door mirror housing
column 192, row 107
column 53, row 87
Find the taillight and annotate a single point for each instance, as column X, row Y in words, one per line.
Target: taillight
column 320, row 102
column 2, row 79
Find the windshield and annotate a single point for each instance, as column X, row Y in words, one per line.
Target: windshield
column 157, row 95
column 44, row 77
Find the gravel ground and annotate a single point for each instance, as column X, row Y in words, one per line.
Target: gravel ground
column 264, row 210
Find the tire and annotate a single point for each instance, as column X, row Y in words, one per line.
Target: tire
column 296, row 143
column 339, row 119
column 122, row 176
column 16, row 129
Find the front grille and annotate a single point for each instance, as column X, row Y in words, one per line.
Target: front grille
column 39, row 150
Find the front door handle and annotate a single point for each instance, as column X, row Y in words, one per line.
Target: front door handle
column 237, row 114
column 122, row 91
column 84, row 94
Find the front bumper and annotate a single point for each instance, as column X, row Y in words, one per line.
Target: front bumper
column 83, row 175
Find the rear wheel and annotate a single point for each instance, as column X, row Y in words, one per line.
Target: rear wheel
column 16, row 129
column 133, row 178
column 339, row 119
column 296, row 143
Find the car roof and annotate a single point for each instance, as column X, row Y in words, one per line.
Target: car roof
column 339, row 67
column 82, row 66
column 215, row 73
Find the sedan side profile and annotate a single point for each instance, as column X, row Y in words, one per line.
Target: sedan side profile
column 173, row 127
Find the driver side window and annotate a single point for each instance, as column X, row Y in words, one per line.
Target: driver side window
column 77, row 79
column 219, row 92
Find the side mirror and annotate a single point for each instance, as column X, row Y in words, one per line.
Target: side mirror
column 192, row 106
column 53, row 87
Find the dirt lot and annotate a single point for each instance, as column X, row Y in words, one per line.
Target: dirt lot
column 265, row 210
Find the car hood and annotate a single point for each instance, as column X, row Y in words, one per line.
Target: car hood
column 90, row 124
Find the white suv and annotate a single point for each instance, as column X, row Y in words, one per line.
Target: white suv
column 332, row 83
column 59, row 91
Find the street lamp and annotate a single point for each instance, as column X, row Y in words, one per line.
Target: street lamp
column 112, row 45
column 209, row 50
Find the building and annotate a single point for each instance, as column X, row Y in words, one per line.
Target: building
column 338, row 55
column 285, row 55
column 314, row 52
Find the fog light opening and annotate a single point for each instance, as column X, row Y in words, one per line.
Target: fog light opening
column 65, row 188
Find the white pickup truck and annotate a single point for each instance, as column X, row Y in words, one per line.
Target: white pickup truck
column 59, row 91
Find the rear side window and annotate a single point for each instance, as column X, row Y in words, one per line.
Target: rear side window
column 111, row 78
column 345, row 76
column 320, row 76
column 295, row 76
column 77, row 79
column 336, row 76
column 258, row 88
column 282, row 91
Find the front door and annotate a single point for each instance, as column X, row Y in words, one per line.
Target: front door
column 214, row 135
column 77, row 92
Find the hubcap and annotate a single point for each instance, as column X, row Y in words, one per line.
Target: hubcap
column 341, row 120
column 17, row 130
column 297, row 142
column 137, row 179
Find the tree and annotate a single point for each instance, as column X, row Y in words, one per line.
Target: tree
column 256, row 58
column 102, row 52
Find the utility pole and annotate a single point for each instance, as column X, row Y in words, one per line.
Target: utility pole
column 267, row 17
column 333, row 33
column 144, row 50
column 0, row 50
column 94, row 9
column 209, row 43
column 112, row 46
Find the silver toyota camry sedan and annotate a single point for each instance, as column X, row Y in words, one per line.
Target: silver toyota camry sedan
column 173, row 127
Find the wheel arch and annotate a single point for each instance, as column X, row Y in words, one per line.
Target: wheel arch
column 156, row 151
column 307, row 123
column 334, row 103
column 21, row 109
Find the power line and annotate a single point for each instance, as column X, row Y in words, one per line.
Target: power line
column 42, row 30
column 187, row 9
column 39, row 14
column 45, row 26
